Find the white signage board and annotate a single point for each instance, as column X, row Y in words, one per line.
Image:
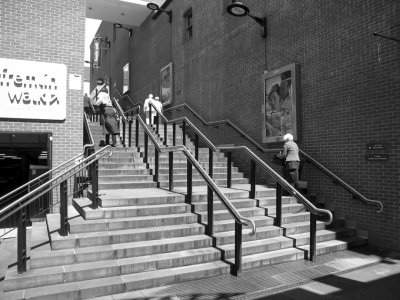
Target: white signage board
column 32, row 90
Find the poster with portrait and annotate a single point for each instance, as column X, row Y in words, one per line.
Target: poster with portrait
column 166, row 84
column 280, row 105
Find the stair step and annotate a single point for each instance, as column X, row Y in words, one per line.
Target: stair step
column 82, row 205
column 268, row 258
column 124, row 250
column 323, row 235
column 79, row 225
column 108, row 268
column 126, row 185
column 222, row 182
column 228, row 237
column 90, row 239
column 120, row 284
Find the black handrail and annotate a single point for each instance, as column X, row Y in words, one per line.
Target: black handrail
column 212, row 189
column 335, row 178
column 87, row 167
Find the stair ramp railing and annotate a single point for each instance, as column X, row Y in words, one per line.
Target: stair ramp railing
column 281, row 183
column 69, row 180
column 240, row 220
column 336, row 179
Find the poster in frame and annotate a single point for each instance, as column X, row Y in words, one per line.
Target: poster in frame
column 125, row 78
column 166, row 84
column 280, row 105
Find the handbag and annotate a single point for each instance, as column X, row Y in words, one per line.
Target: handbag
column 279, row 159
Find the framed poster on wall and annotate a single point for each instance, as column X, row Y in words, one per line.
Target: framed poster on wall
column 280, row 105
column 166, row 84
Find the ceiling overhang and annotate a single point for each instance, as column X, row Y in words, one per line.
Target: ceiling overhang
column 127, row 12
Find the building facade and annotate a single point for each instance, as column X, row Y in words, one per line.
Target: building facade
column 347, row 87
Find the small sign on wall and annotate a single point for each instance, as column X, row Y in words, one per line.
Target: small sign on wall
column 376, row 151
column 75, row 82
column 32, row 90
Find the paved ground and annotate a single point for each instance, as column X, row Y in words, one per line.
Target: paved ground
column 361, row 274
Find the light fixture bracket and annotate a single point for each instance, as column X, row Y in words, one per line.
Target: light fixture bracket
column 238, row 9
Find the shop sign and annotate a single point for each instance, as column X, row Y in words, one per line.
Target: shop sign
column 32, row 90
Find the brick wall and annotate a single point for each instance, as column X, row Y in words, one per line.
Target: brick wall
column 349, row 87
column 48, row 31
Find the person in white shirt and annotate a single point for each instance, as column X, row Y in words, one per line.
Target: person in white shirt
column 159, row 106
column 146, row 107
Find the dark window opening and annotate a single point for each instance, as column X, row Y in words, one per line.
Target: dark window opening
column 188, row 23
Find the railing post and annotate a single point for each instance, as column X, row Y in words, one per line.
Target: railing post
column 313, row 236
column 171, row 170
column 137, row 133
column 156, row 167
column 130, row 133
column 21, row 239
column 146, row 147
column 76, row 187
column 253, row 180
column 229, row 171
column 210, row 196
column 196, row 146
column 123, row 133
column 150, row 116
column 95, row 184
column 174, row 134
column 278, row 204
column 184, row 133
column 64, row 208
column 165, row 134
column 189, row 182
column 157, row 123
column 238, row 249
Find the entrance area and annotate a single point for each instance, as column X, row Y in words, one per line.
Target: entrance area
column 23, row 157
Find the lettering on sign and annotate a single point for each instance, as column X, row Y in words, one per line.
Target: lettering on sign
column 376, row 157
column 32, row 90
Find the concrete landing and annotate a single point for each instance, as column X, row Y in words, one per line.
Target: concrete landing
column 363, row 274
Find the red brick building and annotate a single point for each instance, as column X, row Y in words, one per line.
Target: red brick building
column 348, row 86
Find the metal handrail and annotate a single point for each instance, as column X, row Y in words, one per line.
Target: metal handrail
column 33, row 181
column 130, row 99
column 20, row 202
column 119, row 109
column 314, row 210
column 336, row 178
column 310, row 207
column 190, row 124
column 86, row 123
column 232, row 210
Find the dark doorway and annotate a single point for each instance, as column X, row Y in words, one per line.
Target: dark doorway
column 23, row 157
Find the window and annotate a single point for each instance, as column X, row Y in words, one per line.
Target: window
column 188, row 23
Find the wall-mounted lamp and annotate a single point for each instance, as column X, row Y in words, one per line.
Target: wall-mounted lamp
column 106, row 42
column 118, row 26
column 155, row 7
column 238, row 9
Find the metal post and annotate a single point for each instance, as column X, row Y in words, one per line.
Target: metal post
column 278, row 204
column 150, row 115
column 21, row 240
column 95, row 184
column 130, row 133
column 156, row 167
column 229, row 170
column 123, row 133
column 137, row 133
column 253, row 180
column 183, row 133
column 238, row 249
column 76, row 187
column 196, row 146
column 313, row 237
column 189, row 182
column 171, row 170
column 157, row 123
column 210, row 196
column 64, row 208
column 146, row 147
column 174, row 134
column 165, row 134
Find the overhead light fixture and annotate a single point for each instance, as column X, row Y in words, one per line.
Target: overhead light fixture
column 140, row 2
column 238, row 9
column 118, row 26
column 155, row 7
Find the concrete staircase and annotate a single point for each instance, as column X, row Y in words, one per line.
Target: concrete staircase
column 142, row 236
